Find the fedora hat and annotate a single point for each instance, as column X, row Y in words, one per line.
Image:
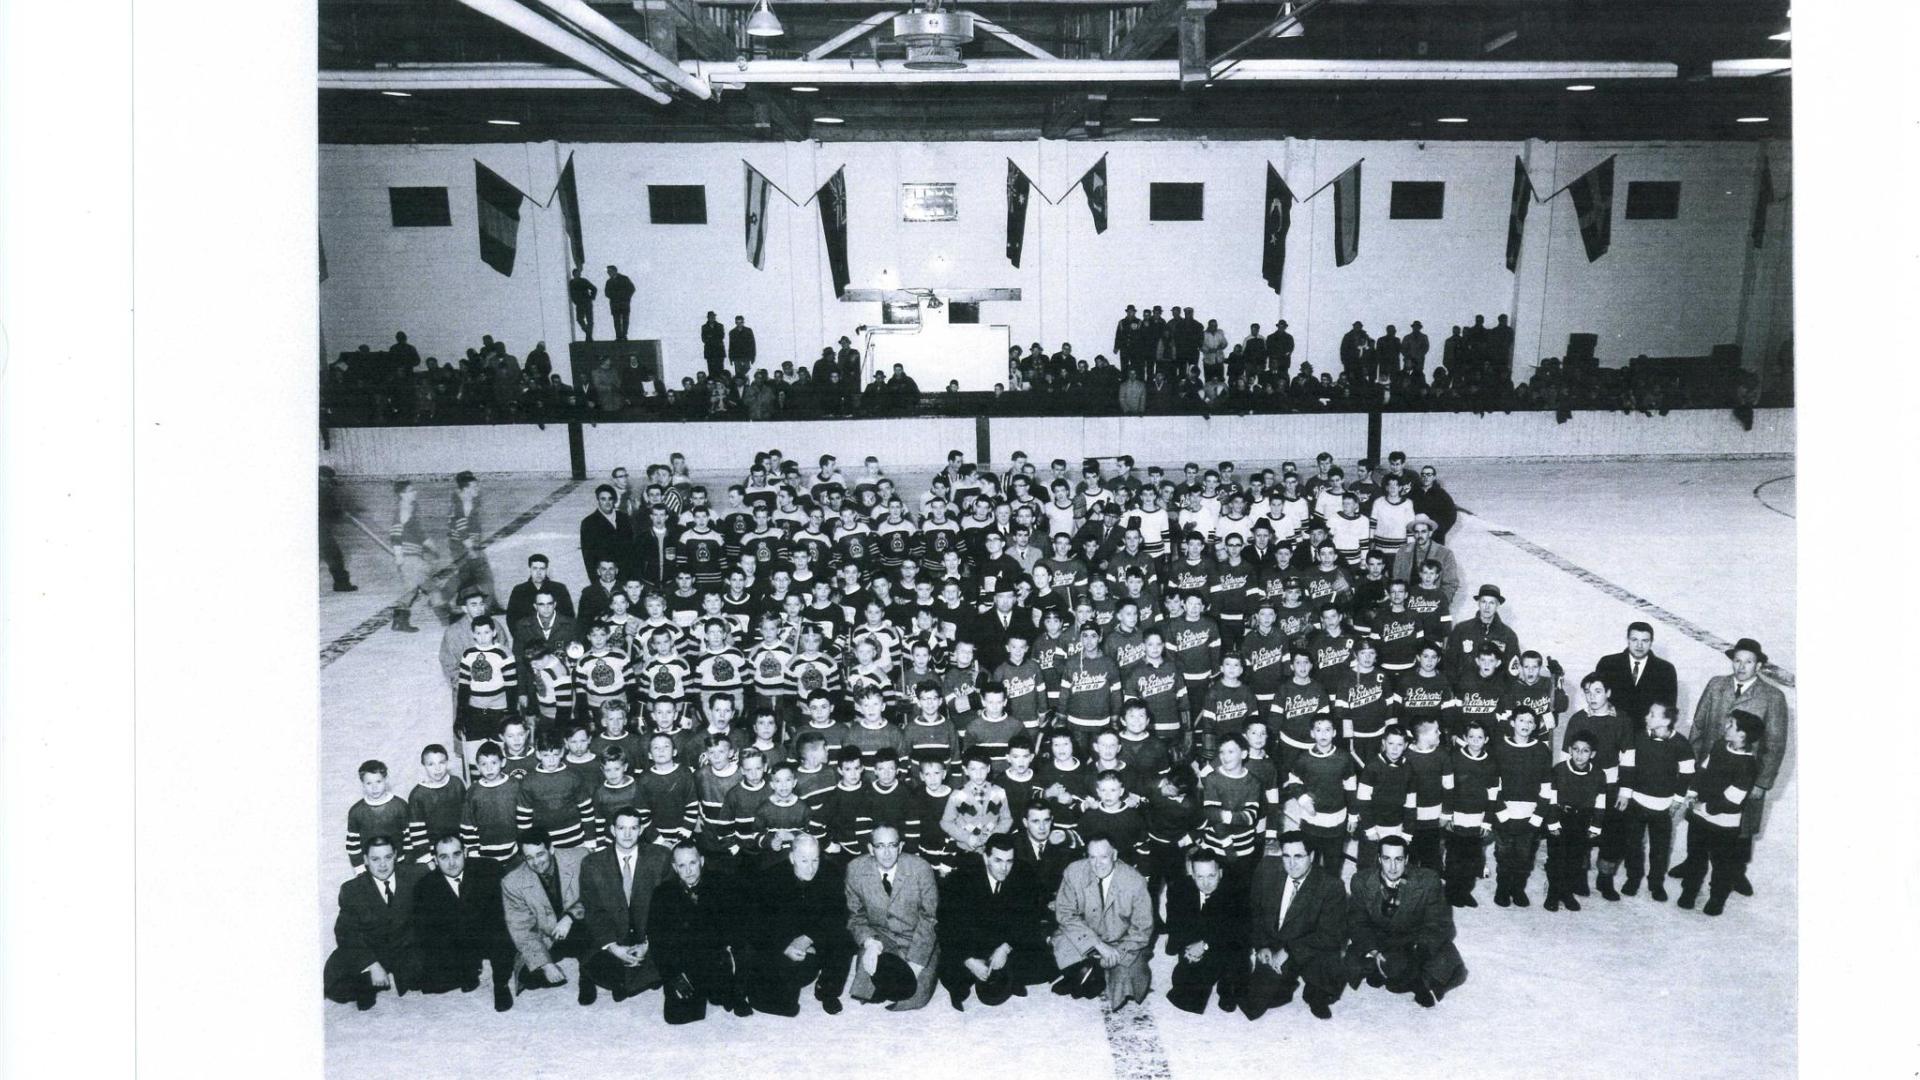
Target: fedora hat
column 1747, row 644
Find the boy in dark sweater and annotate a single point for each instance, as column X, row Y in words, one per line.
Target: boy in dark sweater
column 489, row 818
column 1324, row 781
column 1466, row 817
column 1656, row 775
column 378, row 812
column 434, row 804
column 554, row 797
column 1380, row 798
column 1580, row 805
column 1526, row 796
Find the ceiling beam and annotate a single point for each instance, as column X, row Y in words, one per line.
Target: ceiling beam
column 1010, row 37
column 1076, row 110
column 852, row 33
column 1157, row 23
column 1194, row 67
column 709, row 42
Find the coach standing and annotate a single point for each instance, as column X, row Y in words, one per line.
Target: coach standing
column 1746, row 691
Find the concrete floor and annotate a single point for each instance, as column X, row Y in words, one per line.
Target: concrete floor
column 1616, row 989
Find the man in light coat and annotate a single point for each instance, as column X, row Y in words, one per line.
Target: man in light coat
column 893, row 907
column 1745, row 690
column 1105, row 918
column 541, row 898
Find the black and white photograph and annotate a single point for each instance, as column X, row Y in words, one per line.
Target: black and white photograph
column 1169, row 540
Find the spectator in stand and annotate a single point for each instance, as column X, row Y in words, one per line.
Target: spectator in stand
column 1133, row 394
column 740, row 346
column 1253, row 351
column 849, row 361
column 1213, row 348
column 1433, row 500
column 904, row 392
column 1124, row 333
column 713, row 344
column 1413, row 348
column 1280, row 349
column 582, row 292
column 1188, row 338
column 620, row 300
column 1354, row 345
column 1386, row 353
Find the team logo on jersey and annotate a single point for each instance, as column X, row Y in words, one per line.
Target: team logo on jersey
column 600, row 674
column 723, row 670
column 482, row 668
column 811, row 679
column 664, row 683
column 769, row 667
column 856, row 550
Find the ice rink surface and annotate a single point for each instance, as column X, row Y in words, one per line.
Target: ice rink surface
column 1702, row 549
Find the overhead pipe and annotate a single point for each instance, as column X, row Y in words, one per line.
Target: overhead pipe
column 546, row 33
column 608, row 33
column 1122, row 71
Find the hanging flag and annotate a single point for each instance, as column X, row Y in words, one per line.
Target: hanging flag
column 757, row 191
column 1593, row 201
column 1019, row 193
column 1094, row 183
column 1346, row 216
column 323, row 258
column 1758, row 233
column 1273, row 255
column 569, row 193
column 833, row 220
column 1517, row 211
column 499, row 214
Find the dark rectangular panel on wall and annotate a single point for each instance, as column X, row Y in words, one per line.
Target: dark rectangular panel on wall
column 963, row 312
column 677, row 204
column 1176, row 202
column 1653, row 200
column 418, row 207
column 1418, row 200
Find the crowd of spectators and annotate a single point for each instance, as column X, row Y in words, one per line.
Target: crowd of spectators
column 1159, row 366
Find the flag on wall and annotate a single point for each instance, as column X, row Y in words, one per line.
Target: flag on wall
column 1019, row 194
column 1758, row 233
column 757, row 191
column 833, row 220
column 1517, row 211
column 499, row 215
column 1273, row 254
column 1094, row 183
column 1346, row 216
column 569, row 194
column 323, row 258
column 1593, row 201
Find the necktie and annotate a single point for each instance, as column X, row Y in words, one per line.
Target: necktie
column 626, row 875
column 1741, row 691
column 1391, row 902
column 886, row 882
column 994, row 884
column 386, row 891
column 1103, row 894
column 1286, row 901
column 455, row 884
column 1637, row 665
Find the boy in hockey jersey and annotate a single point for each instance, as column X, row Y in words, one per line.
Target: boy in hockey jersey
column 1234, row 808
column 1322, row 785
column 1230, row 704
column 744, row 798
column 489, row 816
column 1580, row 805
column 601, row 674
column 1380, row 797
column 779, row 818
column 993, row 727
column 1483, row 691
column 434, row 804
column 613, row 791
column 717, row 776
column 1612, row 735
column 1656, row 779
column 554, row 798
column 550, row 680
column 1537, row 688
column 517, row 757
column 1476, row 784
column 1147, row 757
column 668, row 801
column 1350, row 531
column 1429, row 777
column 378, row 812
column 929, row 734
column 488, row 683
column 1526, row 796
column 815, row 776
column 927, row 809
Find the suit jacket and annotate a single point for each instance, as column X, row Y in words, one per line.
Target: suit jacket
column 370, row 929
column 907, row 922
column 990, row 638
column 529, row 915
column 1222, row 924
column 603, row 539
column 1437, row 504
column 740, row 344
column 1710, row 717
column 453, row 930
column 557, row 637
column 1423, row 918
column 653, row 555
column 1407, row 569
column 1657, row 683
column 595, row 600
column 687, row 930
column 613, row 916
column 1049, row 864
column 1316, row 923
column 520, row 601
column 978, row 920
column 1125, row 921
column 791, row 908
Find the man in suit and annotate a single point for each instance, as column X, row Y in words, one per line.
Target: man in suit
column 802, row 934
column 1420, row 547
column 1432, row 499
column 541, row 900
column 1207, row 936
column 656, row 542
column 520, row 601
column 619, row 292
column 994, row 938
column 1042, row 847
column 1400, row 929
column 458, row 922
column 713, row 345
column 373, row 934
column 544, row 625
column 893, row 908
column 1636, row 678
column 1003, row 619
column 698, row 930
column 597, row 598
column 1298, row 928
column 740, row 346
column 607, row 533
column 1105, row 918
column 1745, row 690
column 616, row 886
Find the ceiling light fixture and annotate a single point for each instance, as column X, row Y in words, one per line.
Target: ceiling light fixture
column 828, row 120
column 805, row 89
column 1751, row 120
column 395, row 93
column 1144, row 119
column 505, row 123
column 1453, row 119
column 1292, row 29
column 1580, row 87
column 764, row 23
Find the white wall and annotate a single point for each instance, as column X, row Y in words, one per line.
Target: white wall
column 897, row 443
column 1708, row 432
column 1666, row 288
column 1176, row 439
column 448, row 449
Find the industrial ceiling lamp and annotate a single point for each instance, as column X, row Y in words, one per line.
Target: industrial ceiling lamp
column 1293, row 27
column 764, row 23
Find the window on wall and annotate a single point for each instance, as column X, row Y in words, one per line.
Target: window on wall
column 1418, row 200
column 1176, row 202
column 1653, row 200
column 418, row 207
column 963, row 312
column 677, row 204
